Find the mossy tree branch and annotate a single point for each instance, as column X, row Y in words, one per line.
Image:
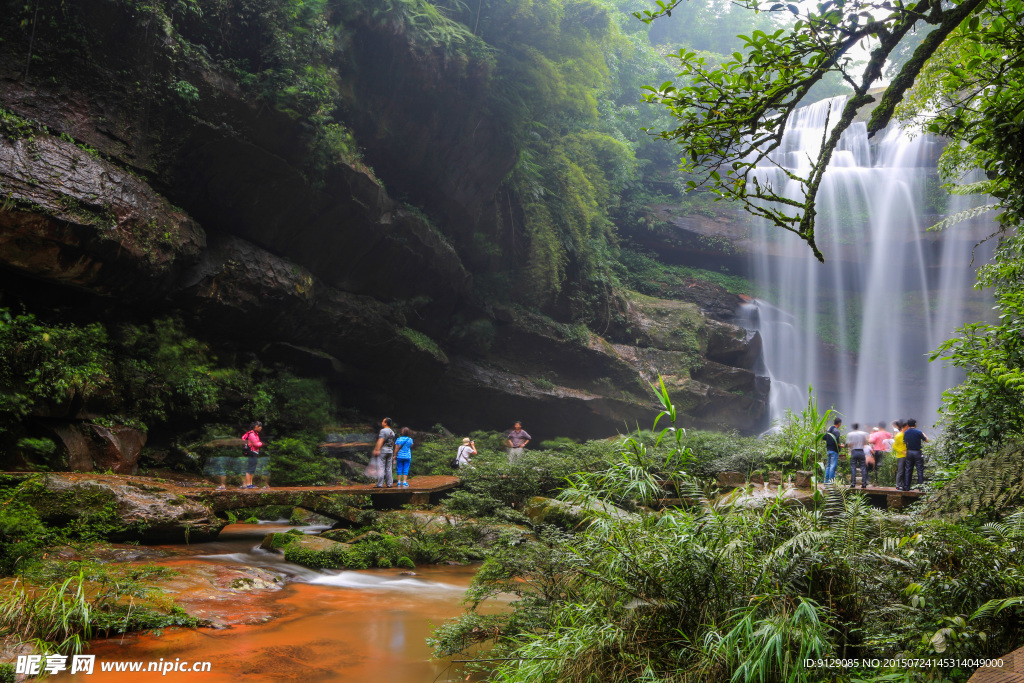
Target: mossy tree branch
column 734, row 116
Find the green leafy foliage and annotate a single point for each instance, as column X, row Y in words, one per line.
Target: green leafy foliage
column 988, row 407
column 22, row 534
column 725, row 595
column 987, row 487
column 298, row 462
column 43, row 363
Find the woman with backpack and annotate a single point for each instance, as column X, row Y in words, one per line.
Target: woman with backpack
column 467, row 449
column 383, row 452
column 251, row 445
column 403, row 456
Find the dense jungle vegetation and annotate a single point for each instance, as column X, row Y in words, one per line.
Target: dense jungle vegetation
column 621, row 591
column 563, row 78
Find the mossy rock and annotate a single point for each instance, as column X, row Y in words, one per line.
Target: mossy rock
column 541, row 510
column 277, row 541
column 319, row 553
column 119, row 509
column 367, row 536
column 669, row 325
column 339, row 535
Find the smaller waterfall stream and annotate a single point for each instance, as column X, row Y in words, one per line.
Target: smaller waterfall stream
column 859, row 327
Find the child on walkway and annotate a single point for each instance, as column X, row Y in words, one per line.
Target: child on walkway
column 403, row 458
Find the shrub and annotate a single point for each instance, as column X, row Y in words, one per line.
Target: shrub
column 22, row 536
column 301, row 404
column 298, row 462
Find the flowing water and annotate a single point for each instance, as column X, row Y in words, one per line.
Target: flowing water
column 859, row 328
column 344, row 626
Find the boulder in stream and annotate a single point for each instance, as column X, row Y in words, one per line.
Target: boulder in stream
column 277, row 541
column 318, row 552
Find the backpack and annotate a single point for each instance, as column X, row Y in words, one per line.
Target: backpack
column 246, row 450
column 456, row 464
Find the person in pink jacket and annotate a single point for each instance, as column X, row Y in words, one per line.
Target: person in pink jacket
column 252, row 444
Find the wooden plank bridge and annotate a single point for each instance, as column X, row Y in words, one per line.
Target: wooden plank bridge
column 330, row 501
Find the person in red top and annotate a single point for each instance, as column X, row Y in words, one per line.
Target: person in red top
column 878, row 443
column 252, row 444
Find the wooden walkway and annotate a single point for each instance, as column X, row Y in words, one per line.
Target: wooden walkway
column 325, row 500
column 1012, row 670
column 336, row 502
column 888, row 497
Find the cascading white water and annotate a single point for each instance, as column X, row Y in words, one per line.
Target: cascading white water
column 859, row 327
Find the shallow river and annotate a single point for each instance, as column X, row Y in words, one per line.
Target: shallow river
column 347, row 626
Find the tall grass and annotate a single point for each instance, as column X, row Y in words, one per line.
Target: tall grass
column 57, row 619
column 63, row 617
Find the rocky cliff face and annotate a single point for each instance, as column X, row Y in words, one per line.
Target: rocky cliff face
column 210, row 209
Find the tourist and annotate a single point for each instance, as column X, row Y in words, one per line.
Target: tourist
column 251, row 445
column 913, row 439
column 383, row 452
column 832, row 446
column 855, row 443
column 899, row 449
column 403, row 458
column 517, row 440
column 221, row 466
column 879, row 440
column 466, row 450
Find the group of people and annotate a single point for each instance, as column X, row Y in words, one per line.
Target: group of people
column 390, row 447
column 516, row 441
column 867, row 451
column 394, row 450
column 389, row 463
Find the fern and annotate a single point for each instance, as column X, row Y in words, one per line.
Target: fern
column 980, row 187
column 990, row 485
column 961, row 216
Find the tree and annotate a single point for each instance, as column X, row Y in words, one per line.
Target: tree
column 731, row 117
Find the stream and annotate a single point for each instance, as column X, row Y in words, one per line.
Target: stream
column 323, row 625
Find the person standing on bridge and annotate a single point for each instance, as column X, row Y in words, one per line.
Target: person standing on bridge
column 403, row 458
column 251, row 445
column 833, row 442
column 914, row 440
column 517, row 440
column 879, row 443
column 899, row 449
column 383, row 452
column 855, row 443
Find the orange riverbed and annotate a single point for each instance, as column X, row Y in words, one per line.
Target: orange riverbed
column 365, row 626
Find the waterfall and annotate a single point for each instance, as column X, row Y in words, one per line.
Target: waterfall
column 859, row 327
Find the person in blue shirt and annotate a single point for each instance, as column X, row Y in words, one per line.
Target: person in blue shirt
column 913, row 439
column 404, row 457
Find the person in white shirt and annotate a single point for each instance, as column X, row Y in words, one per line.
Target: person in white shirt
column 856, row 441
column 467, row 449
